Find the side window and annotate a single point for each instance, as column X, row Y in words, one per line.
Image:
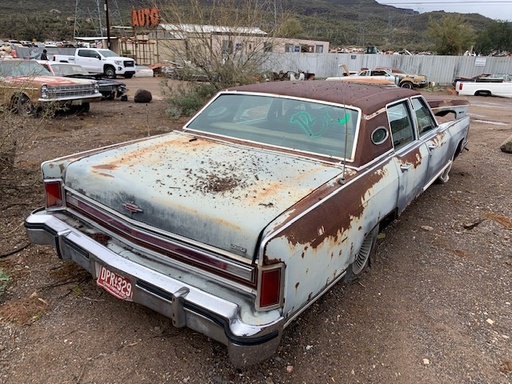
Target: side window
column 83, row 53
column 424, row 118
column 401, row 125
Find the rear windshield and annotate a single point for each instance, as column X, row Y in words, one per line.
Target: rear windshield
column 306, row 126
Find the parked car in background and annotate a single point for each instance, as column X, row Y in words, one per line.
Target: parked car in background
column 109, row 88
column 395, row 75
column 485, row 85
column 26, row 87
column 484, row 78
column 103, row 61
column 143, row 71
column 238, row 222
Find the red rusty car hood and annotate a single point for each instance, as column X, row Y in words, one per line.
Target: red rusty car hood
column 216, row 193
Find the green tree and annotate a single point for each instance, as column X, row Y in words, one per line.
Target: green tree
column 291, row 27
column 452, row 35
column 497, row 37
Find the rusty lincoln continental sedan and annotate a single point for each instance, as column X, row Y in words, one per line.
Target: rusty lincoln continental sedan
column 239, row 221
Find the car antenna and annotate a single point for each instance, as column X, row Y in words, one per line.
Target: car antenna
column 344, row 123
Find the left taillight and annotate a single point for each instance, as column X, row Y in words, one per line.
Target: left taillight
column 270, row 287
column 53, row 193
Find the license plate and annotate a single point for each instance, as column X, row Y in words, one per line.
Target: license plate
column 115, row 284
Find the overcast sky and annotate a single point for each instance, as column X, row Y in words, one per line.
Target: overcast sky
column 498, row 10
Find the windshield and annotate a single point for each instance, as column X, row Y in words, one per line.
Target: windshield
column 306, row 126
column 10, row 68
column 68, row 70
column 108, row 53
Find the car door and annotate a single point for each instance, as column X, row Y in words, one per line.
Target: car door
column 384, row 75
column 89, row 59
column 411, row 154
column 436, row 139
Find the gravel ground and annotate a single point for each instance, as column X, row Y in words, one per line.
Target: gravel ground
column 436, row 306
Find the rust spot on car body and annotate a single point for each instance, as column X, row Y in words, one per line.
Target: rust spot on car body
column 330, row 217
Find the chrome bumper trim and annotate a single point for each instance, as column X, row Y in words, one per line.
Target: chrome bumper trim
column 185, row 304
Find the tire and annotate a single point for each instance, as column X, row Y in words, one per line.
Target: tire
column 445, row 176
column 407, row 85
column 129, row 76
column 83, row 108
column 110, row 72
column 22, row 106
column 362, row 259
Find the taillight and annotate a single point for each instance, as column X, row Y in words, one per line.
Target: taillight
column 53, row 192
column 460, row 86
column 271, row 287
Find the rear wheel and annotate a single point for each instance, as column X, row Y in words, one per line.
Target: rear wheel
column 110, row 72
column 363, row 256
column 128, row 76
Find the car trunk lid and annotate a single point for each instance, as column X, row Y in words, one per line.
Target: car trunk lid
column 216, row 193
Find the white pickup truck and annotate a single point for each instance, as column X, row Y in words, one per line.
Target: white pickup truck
column 485, row 85
column 102, row 61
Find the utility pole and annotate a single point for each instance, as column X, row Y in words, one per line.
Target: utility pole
column 108, row 25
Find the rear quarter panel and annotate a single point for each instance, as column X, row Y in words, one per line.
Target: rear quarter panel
column 321, row 235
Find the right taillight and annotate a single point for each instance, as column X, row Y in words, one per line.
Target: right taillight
column 53, row 193
column 271, row 287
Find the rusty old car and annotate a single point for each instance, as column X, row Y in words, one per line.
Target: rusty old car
column 236, row 223
column 26, row 87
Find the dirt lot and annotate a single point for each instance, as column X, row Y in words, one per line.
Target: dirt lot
column 436, row 307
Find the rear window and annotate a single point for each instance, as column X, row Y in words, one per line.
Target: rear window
column 306, row 126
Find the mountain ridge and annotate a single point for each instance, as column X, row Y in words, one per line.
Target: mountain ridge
column 341, row 22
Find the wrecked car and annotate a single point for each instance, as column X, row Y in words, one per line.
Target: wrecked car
column 109, row 88
column 393, row 75
column 238, row 222
column 26, row 88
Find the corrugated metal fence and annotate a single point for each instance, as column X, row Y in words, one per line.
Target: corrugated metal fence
column 439, row 69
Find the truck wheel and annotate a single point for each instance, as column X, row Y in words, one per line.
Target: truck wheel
column 23, row 106
column 129, row 76
column 407, row 84
column 363, row 256
column 110, row 72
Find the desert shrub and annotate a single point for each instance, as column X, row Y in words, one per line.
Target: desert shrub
column 185, row 99
column 16, row 133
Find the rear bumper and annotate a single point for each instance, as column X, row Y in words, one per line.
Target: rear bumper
column 185, row 304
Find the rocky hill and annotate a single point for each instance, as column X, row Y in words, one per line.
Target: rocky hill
column 341, row 22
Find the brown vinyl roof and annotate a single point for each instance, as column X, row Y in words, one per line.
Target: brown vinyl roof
column 369, row 97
